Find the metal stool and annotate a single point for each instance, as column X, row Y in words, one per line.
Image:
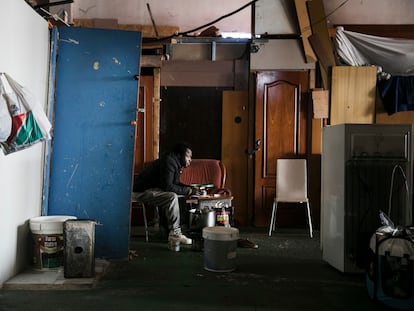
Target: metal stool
column 137, row 203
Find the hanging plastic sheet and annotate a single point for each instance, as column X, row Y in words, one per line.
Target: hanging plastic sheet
column 27, row 124
column 395, row 56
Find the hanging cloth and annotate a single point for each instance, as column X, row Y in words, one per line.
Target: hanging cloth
column 397, row 93
column 394, row 55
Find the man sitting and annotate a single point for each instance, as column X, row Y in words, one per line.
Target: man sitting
column 159, row 185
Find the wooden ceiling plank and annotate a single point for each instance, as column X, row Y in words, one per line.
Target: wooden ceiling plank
column 305, row 30
column 319, row 27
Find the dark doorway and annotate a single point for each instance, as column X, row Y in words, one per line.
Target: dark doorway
column 192, row 115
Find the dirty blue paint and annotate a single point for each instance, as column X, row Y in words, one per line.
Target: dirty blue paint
column 93, row 144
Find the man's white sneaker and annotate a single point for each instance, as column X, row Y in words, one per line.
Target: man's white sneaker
column 179, row 238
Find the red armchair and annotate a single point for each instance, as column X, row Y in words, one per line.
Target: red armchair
column 206, row 171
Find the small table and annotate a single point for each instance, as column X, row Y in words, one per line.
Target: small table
column 220, row 203
column 209, row 200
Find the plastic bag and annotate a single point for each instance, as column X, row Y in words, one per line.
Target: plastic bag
column 29, row 124
column 5, row 120
column 388, row 225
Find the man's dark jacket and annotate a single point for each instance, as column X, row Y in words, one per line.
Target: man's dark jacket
column 163, row 173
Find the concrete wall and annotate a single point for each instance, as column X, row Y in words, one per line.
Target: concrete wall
column 272, row 16
column 190, row 14
column 279, row 54
column 183, row 13
column 369, row 12
column 24, row 55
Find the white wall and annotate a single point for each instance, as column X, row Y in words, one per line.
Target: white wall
column 369, row 12
column 187, row 14
column 279, row 54
column 24, row 55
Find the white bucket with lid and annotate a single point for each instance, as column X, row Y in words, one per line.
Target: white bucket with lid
column 47, row 233
column 220, row 246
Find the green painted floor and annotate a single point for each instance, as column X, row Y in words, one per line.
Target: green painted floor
column 286, row 272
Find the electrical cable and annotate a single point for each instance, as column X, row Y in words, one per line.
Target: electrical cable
column 39, row 6
column 392, row 184
column 210, row 23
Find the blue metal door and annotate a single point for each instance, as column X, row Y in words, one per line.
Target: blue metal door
column 93, row 143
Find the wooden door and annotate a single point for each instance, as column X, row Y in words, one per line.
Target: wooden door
column 233, row 150
column 93, row 140
column 144, row 138
column 281, row 126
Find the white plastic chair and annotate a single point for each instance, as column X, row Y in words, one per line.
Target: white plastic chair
column 291, row 187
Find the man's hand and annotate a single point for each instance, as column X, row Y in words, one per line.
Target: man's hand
column 195, row 191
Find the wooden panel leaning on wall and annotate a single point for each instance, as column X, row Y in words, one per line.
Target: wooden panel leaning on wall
column 353, row 92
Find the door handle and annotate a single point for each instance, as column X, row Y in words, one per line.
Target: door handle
column 255, row 148
column 133, row 122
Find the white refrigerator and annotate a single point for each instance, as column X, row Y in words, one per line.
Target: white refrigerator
column 363, row 166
